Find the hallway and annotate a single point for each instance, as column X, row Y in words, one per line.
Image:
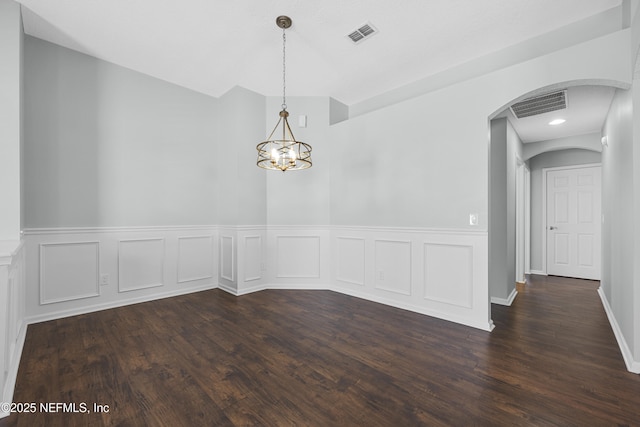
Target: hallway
column 561, row 354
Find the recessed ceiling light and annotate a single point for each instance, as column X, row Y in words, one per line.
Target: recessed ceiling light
column 557, row 122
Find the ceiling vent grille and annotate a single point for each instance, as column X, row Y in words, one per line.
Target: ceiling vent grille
column 364, row 32
column 540, row 104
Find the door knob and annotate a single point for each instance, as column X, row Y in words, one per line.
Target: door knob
column 553, row 228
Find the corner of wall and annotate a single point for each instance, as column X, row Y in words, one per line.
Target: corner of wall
column 338, row 112
column 498, row 255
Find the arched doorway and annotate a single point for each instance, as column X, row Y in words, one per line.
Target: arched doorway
column 512, row 146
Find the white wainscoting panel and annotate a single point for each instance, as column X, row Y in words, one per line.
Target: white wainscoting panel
column 252, row 258
column 350, row 260
column 195, row 258
column 393, row 266
column 64, row 265
column 297, row 257
column 13, row 327
column 440, row 273
column 227, row 258
column 140, row 264
column 69, row 271
column 448, row 274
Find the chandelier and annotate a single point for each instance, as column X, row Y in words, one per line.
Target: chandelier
column 281, row 151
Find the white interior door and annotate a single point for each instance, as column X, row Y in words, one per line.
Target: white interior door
column 573, row 222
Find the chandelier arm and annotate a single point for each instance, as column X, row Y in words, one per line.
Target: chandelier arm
column 274, row 129
column 288, row 128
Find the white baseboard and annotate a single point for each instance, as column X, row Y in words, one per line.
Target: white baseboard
column 537, row 272
column 416, row 309
column 365, row 296
column 302, row 287
column 228, row 289
column 632, row 365
column 505, row 301
column 12, row 372
column 245, row 291
column 121, row 303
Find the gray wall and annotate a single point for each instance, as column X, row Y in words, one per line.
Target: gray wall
column 106, row 146
column 618, row 251
column 498, row 211
column 11, row 52
column 423, row 162
column 302, row 197
column 550, row 159
column 514, row 154
column 635, row 194
column 242, row 190
column 412, row 164
column 506, row 149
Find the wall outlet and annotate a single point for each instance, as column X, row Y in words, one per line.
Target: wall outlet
column 380, row 275
column 473, row 219
column 104, row 279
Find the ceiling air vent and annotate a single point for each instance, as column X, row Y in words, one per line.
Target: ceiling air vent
column 540, row 104
column 364, row 32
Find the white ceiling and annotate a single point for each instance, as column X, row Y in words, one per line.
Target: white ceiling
column 212, row 45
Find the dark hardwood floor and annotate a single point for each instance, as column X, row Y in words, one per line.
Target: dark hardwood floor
column 318, row 358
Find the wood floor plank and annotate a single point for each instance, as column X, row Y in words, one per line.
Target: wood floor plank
column 319, row 358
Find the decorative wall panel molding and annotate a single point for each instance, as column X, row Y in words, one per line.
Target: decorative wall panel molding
column 69, row 271
column 252, row 258
column 441, row 273
column 350, row 261
column 137, row 264
column 347, row 259
column 297, row 257
column 195, row 258
column 448, row 274
column 227, row 258
column 393, row 266
column 140, row 264
column 13, row 327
